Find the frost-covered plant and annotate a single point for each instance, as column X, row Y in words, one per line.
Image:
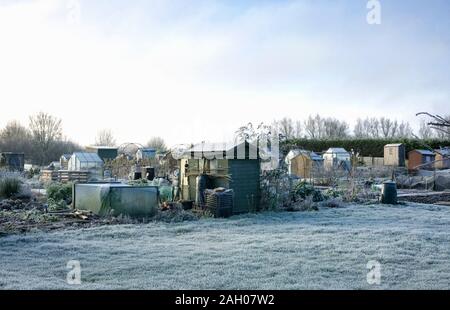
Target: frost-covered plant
column 9, row 187
column 304, row 190
column 59, row 191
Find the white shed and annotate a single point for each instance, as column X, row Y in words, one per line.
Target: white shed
column 337, row 157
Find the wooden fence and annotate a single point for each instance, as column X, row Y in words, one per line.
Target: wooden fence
column 64, row 176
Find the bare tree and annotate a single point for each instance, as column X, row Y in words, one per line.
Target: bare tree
column 334, row 128
column 286, row 128
column 314, row 127
column 425, row 132
column 359, row 131
column 105, row 137
column 16, row 138
column 373, row 127
column 388, row 127
column 298, row 131
column 157, row 143
column 46, row 130
column 404, row 131
column 440, row 124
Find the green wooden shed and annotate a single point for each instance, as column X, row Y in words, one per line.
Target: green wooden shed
column 235, row 166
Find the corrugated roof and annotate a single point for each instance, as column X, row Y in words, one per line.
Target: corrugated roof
column 88, row 157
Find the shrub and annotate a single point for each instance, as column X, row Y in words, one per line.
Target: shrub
column 304, row 190
column 59, row 191
column 9, row 187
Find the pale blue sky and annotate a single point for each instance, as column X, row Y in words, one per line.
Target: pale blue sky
column 196, row 70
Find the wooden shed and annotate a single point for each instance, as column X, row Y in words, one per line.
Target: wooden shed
column 394, row 155
column 443, row 158
column 421, row 159
column 235, row 167
column 12, row 161
column 303, row 163
column 64, row 161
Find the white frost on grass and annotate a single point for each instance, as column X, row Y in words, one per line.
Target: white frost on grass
column 328, row 249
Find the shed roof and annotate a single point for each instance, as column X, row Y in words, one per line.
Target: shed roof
column 424, row 152
column 66, row 156
column 210, row 148
column 101, row 147
column 296, row 152
column 147, row 150
column 444, row 151
column 393, row 145
column 336, row 150
column 88, row 157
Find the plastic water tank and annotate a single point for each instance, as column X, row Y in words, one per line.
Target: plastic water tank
column 389, row 193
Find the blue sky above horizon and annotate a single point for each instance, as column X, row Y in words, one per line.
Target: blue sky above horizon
column 203, row 68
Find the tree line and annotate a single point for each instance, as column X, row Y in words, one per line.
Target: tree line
column 326, row 128
column 42, row 141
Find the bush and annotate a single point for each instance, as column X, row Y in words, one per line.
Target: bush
column 9, row 187
column 58, row 191
column 304, row 190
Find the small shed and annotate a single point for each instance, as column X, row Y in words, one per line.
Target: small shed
column 91, row 162
column 394, row 155
column 337, row 157
column 303, row 163
column 236, row 167
column 12, row 161
column 64, row 161
column 421, row 159
column 443, row 158
column 145, row 153
column 104, row 152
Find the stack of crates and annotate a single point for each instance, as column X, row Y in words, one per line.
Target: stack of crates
column 219, row 202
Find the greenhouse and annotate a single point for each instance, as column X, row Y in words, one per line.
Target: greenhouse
column 86, row 162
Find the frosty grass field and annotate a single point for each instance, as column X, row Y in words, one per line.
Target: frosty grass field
column 328, row 249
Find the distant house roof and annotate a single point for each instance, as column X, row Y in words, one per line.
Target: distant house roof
column 393, row 145
column 424, row 152
column 336, row 150
column 88, row 157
